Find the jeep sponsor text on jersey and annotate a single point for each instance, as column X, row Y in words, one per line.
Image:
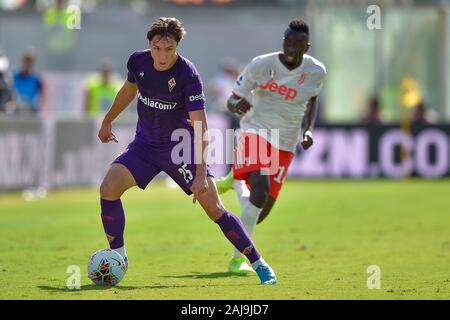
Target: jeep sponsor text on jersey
column 286, row 92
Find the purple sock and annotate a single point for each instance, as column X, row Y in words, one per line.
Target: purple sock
column 113, row 218
column 233, row 229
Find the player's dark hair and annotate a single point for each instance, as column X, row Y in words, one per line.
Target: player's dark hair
column 299, row 25
column 166, row 28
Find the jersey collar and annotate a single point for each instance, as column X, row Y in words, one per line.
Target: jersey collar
column 283, row 67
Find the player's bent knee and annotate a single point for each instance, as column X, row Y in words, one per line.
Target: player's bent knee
column 109, row 190
column 211, row 203
column 215, row 211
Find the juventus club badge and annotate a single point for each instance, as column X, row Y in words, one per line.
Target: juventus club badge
column 302, row 78
column 171, row 84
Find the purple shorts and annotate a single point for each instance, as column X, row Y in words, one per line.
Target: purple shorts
column 145, row 162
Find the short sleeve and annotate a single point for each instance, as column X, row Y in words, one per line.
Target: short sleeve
column 246, row 82
column 130, row 76
column 319, row 82
column 194, row 98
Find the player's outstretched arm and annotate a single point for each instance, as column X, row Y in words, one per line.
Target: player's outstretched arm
column 123, row 98
column 200, row 183
column 310, row 119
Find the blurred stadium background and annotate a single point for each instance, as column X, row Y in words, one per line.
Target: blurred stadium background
column 384, row 110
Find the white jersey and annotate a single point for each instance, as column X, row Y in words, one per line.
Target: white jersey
column 279, row 96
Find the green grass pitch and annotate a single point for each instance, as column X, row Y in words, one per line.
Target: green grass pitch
column 320, row 238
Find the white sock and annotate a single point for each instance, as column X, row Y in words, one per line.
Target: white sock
column 243, row 193
column 121, row 251
column 258, row 262
column 249, row 217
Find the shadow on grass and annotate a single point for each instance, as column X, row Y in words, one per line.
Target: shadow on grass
column 90, row 287
column 214, row 275
column 93, row 287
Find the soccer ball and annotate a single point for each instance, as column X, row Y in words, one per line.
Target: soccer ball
column 106, row 267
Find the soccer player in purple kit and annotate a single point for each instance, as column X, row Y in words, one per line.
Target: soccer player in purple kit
column 170, row 97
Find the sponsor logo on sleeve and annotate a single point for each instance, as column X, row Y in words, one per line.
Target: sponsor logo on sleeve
column 196, row 97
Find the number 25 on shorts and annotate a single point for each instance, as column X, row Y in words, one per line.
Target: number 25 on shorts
column 187, row 174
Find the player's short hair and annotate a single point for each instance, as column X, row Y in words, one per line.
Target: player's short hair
column 298, row 25
column 166, row 28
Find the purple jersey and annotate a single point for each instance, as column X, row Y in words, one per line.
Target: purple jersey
column 164, row 97
column 164, row 100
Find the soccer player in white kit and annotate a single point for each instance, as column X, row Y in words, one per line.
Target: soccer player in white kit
column 275, row 93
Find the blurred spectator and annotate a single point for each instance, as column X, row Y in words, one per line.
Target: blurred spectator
column 220, row 87
column 101, row 89
column 373, row 115
column 28, row 86
column 6, row 97
column 413, row 102
column 410, row 92
column 60, row 31
column 423, row 115
column 57, row 21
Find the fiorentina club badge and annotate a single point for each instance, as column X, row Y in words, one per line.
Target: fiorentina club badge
column 302, row 78
column 171, row 84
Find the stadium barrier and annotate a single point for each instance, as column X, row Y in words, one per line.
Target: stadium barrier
column 358, row 151
column 64, row 153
